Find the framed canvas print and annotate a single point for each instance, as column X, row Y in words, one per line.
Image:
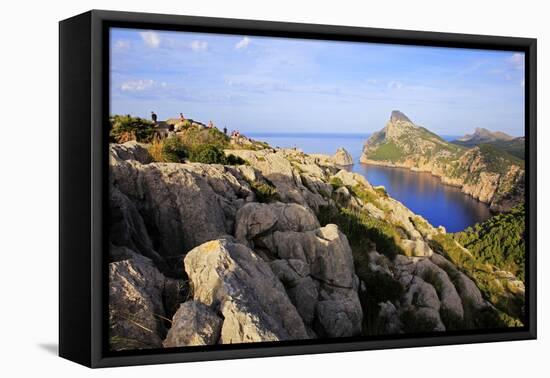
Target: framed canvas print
column 234, row 188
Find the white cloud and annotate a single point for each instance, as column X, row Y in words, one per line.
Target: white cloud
column 199, row 45
column 136, row 85
column 522, row 83
column 150, row 38
column 517, row 60
column 395, row 85
column 122, row 44
column 243, row 43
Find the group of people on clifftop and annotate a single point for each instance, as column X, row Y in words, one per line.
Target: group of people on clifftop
column 234, row 133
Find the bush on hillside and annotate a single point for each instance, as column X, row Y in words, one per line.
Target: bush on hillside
column 126, row 127
column 169, row 150
column 234, row 160
column 213, row 154
column 208, row 154
column 193, row 137
column 265, row 193
column 336, row 182
column 500, row 241
column 173, row 150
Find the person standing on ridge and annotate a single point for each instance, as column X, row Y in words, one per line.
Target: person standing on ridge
column 154, row 117
column 225, row 130
column 182, row 118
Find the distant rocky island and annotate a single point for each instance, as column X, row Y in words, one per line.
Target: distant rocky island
column 218, row 239
column 475, row 163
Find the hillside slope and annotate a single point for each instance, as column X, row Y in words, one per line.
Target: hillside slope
column 499, row 240
column 484, row 172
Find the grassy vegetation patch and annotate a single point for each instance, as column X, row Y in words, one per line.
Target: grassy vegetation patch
column 265, row 193
column 336, row 183
column 194, row 137
column 169, row 150
column 362, row 230
column 364, row 194
column 482, row 274
column 387, row 151
column 497, row 160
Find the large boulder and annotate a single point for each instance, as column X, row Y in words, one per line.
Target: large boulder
column 340, row 317
column 193, row 324
column 352, row 179
column 326, row 250
column 416, row 248
column 234, row 281
column 135, row 304
column 301, row 288
column 130, row 150
column 257, row 219
column 320, row 277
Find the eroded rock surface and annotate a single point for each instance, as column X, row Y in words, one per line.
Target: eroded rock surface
column 193, row 324
column 135, row 304
column 235, row 282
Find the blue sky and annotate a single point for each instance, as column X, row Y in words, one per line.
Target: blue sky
column 264, row 84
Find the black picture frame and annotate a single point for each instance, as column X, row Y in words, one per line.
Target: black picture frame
column 83, row 140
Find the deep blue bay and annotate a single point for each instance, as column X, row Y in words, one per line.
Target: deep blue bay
column 421, row 192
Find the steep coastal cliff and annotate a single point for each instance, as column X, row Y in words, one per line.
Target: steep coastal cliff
column 274, row 244
column 485, row 172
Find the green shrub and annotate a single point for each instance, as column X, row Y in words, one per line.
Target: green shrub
column 265, row 193
column 381, row 191
column 234, row 160
column 213, row 154
column 366, row 195
column 125, row 128
column 208, row 154
column 336, row 182
column 169, row 150
column 173, row 150
column 362, row 229
column 193, row 137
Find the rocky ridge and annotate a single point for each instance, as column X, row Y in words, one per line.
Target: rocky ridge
column 199, row 257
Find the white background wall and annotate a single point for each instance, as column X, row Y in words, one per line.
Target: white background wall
column 29, row 189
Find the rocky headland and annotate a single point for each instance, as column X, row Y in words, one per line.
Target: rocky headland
column 483, row 171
